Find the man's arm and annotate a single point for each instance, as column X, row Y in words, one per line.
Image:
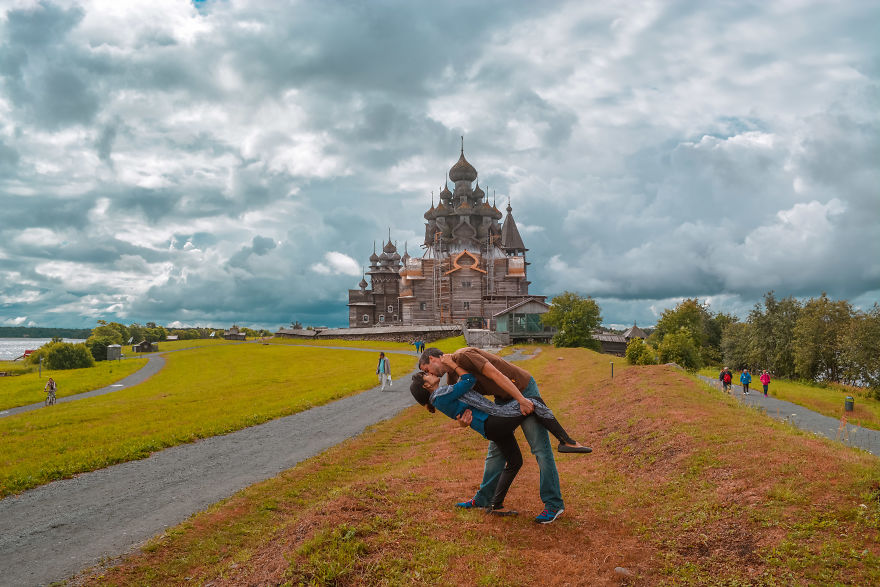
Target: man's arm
column 525, row 404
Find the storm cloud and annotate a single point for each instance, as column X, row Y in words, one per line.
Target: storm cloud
column 225, row 161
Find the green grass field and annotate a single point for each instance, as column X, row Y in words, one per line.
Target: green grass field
column 447, row 345
column 21, row 390
column 828, row 401
column 200, row 393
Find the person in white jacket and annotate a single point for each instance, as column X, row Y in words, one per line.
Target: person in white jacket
column 383, row 370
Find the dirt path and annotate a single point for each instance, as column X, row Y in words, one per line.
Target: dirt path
column 55, row 531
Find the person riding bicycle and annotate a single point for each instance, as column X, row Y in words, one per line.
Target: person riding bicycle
column 50, row 392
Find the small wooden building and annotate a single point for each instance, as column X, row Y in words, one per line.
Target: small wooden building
column 611, row 344
column 145, row 347
column 234, row 334
column 522, row 321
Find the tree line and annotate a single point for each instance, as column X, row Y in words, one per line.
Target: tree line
column 817, row 340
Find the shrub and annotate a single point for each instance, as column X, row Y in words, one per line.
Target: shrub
column 98, row 346
column 63, row 355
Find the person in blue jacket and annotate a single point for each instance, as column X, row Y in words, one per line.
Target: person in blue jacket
column 745, row 379
column 495, row 422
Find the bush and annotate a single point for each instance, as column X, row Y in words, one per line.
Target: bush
column 63, row 355
column 640, row 353
column 98, row 346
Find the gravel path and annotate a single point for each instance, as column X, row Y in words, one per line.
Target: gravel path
column 804, row 418
column 57, row 530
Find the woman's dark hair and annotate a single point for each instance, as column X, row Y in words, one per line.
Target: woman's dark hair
column 418, row 391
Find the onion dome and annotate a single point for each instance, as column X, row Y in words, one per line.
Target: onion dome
column 389, row 248
column 445, row 194
column 479, row 194
column 441, row 210
column 431, row 213
column 462, row 170
column 374, row 258
column 405, row 257
column 395, row 257
column 363, row 284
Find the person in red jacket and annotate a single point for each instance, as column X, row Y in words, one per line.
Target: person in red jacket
column 765, row 380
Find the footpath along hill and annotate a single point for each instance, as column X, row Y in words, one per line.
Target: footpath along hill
column 684, row 486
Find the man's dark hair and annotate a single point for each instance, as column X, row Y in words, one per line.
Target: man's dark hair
column 429, row 352
column 418, row 391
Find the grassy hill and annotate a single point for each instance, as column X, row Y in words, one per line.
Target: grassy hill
column 685, row 486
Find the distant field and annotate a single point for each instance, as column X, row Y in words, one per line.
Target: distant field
column 200, row 393
column 684, row 487
column 445, row 344
column 828, row 401
column 21, row 390
column 173, row 345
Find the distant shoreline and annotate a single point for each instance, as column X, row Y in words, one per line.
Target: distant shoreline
column 43, row 332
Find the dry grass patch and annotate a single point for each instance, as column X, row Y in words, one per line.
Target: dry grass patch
column 685, row 487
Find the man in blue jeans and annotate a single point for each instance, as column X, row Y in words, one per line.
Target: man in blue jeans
column 505, row 381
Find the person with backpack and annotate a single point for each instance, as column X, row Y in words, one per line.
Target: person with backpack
column 765, row 381
column 745, row 379
column 726, row 378
column 383, row 370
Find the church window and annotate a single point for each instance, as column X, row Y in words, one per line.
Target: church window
column 467, row 305
column 381, row 317
column 423, row 305
column 366, row 317
column 465, row 284
column 390, row 308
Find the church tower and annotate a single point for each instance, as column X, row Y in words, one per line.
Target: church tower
column 472, row 268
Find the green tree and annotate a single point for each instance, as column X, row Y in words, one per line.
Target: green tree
column 860, row 344
column 771, row 341
column 817, row 336
column 97, row 345
column 689, row 315
column 135, row 333
column 735, row 345
column 115, row 331
column 575, row 318
column 679, row 347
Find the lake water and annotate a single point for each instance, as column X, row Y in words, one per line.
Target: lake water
column 11, row 348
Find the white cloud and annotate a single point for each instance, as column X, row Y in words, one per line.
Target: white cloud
column 336, row 263
column 184, row 161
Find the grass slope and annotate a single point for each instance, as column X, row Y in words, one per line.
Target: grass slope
column 685, row 486
column 200, row 393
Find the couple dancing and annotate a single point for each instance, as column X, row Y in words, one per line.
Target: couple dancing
column 470, row 374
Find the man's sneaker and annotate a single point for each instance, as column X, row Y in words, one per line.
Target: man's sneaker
column 469, row 504
column 548, row 516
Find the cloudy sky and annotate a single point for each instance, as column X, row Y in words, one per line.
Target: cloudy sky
column 230, row 161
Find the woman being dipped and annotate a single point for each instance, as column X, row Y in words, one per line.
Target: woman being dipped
column 495, row 422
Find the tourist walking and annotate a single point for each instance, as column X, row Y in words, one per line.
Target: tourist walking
column 383, row 370
column 50, row 392
column 745, row 379
column 765, row 380
column 726, row 378
column 495, row 422
column 505, row 381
